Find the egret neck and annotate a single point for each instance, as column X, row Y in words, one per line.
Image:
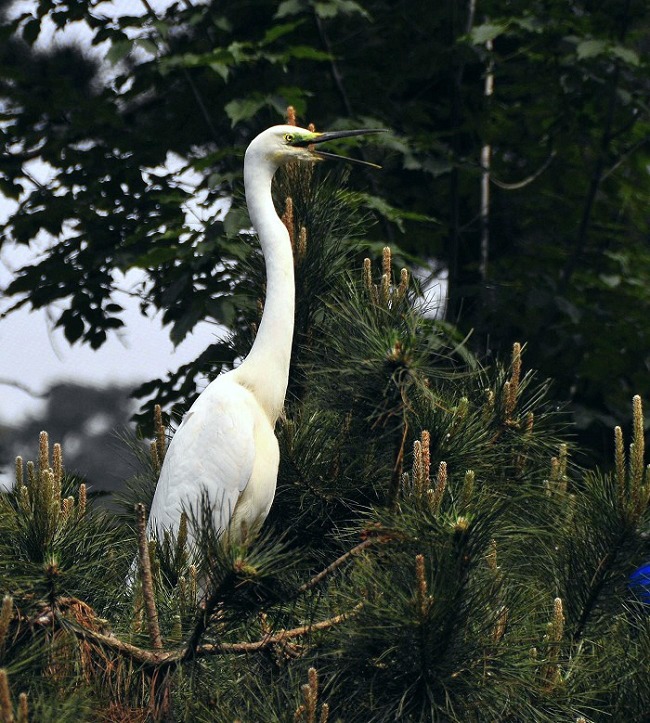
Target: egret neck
column 266, row 368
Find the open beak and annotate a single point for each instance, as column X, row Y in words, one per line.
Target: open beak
column 335, row 135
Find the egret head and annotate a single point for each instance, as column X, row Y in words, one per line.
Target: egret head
column 282, row 144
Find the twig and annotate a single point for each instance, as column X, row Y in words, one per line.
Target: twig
column 624, row 156
column 279, row 637
column 516, row 185
column 203, row 620
column 186, row 74
column 23, row 388
column 150, row 658
column 157, row 658
column 597, row 583
column 599, row 167
column 337, row 563
column 193, row 646
column 336, row 73
column 396, row 476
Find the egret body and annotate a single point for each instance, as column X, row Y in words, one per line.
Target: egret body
column 225, row 449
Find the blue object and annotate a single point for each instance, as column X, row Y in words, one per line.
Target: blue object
column 639, row 583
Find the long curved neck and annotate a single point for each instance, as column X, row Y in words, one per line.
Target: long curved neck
column 266, row 368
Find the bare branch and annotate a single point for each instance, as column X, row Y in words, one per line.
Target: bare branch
column 160, row 658
column 526, row 181
column 22, row 387
column 279, row 637
column 337, row 563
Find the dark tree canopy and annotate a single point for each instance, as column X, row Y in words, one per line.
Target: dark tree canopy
column 160, row 111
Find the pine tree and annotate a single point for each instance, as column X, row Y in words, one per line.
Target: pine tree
column 434, row 552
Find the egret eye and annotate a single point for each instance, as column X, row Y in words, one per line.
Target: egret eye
column 288, row 137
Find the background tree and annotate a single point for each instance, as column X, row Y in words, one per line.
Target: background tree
column 144, row 155
column 92, row 425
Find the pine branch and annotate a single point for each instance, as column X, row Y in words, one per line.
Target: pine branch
column 172, row 658
column 157, row 658
column 337, row 563
column 279, row 637
column 149, row 658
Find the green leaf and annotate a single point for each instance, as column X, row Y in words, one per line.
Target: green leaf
column 221, row 69
column 147, row 45
column 396, row 215
column 590, row 48
column 219, row 60
column 186, row 323
column 162, row 27
column 332, row 8
column 222, row 309
column 244, row 108
column 528, row 22
column 570, row 309
column 242, row 52
column 235, row 221
column 118, row 51
column 289, row 95
column 73, row 326
column 10, row 189
column 488, row 31
column 289, row 7
column 627, row 55
column 156, row 257
column 279, row 31
column 611, row 280
column 436, row 166
column 306, row 52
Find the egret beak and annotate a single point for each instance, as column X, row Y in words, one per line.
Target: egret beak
column 334, row 135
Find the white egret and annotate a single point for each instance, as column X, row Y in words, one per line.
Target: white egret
column 225, row 449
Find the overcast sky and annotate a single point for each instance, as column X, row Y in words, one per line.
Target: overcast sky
column 34, row 355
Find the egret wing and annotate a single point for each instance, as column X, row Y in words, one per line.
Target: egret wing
column 211, row 454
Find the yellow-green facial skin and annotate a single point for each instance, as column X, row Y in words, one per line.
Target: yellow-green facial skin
column 298, row 139
column 297, row 148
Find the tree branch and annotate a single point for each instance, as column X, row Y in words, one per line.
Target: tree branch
column 598, row 170
column 170, row 658
column 22, row 387
column 516, row 185
column 279, row 637
column 186, row 74
column 158, row 658
column 337, row 563
column 336, row 73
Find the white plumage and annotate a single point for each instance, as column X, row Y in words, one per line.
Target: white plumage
column 225, row 449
